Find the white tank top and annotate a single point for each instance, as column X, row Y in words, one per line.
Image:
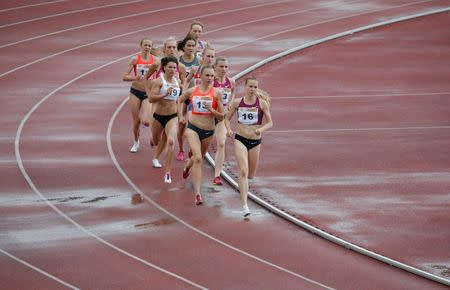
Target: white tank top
column 175, row 91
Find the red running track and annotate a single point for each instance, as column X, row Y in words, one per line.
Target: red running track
column 367, row 134
column 93, row 236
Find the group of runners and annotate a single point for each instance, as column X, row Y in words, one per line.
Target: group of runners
column 183, row 91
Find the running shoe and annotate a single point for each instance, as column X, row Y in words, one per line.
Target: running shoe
column 217, row 180
column 246, row 211
column 156, row 163
column 186, row 172
column 198, row 199
column 167, row 178
column 135, row 147
column 180, row 156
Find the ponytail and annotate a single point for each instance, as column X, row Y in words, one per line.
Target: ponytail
column 264, row 95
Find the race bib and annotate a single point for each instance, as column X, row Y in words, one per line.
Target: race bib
column 248, row 116
column 199, row 104
column 173, row 96
column 226, row 96
column 188, row 71
column 142, row 69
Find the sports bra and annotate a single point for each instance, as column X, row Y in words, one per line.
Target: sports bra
column 250, row 114
column 173, row 96
column 226, row 89
column 199, row 101
column 142, row 66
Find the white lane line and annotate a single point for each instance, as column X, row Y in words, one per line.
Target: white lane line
column 424, row 94
column 56, row 209
column 138, row 31
column 38, row 270
column 31, row 5
column 68, row 13
column 200, row 232
column 108, row 20
column 360, row 129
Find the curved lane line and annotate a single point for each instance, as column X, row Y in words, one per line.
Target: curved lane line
column 31, row 5
column 200, row 232
column 106, row 21
column 134, row 32
column 38, row 270
column 56, row 209
column 303, row 224
column 68, row 13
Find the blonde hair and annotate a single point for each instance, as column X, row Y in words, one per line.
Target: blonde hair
column 260, row 92
column 169, row 39
column 208, row 47
column 264, row 95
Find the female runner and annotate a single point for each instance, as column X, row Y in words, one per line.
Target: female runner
column 189, row 60
column 164, row 93
column 227, row 85
column 206, row 107
column 196, row 31
column 247, row 144
column 208, row 57
column 137, row 69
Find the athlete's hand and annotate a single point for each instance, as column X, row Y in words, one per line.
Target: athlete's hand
column 258, row 132
column 229, row 133
column 208, row 106
column 182, row 121
column 169, row 91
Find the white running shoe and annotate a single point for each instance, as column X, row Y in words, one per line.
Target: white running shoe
column 246, row 211
column 167, row 178
column 156, row 163
column 135, row 147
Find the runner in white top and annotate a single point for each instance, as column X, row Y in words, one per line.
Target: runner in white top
column 164, row 94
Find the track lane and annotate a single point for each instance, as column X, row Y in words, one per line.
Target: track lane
column 38, row 14
column 345, row 24
column 24, row 5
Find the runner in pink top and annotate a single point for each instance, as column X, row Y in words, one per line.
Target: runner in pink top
column 250, row 109
column 227, row 85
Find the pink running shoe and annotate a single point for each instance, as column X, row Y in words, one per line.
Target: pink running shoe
column 217, row 180
column 198, row 199
column 180, row 156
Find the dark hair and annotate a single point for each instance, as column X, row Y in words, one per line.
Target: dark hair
column 196, row 22
column 219, row 59
column 166, row 60
column 182, row 44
